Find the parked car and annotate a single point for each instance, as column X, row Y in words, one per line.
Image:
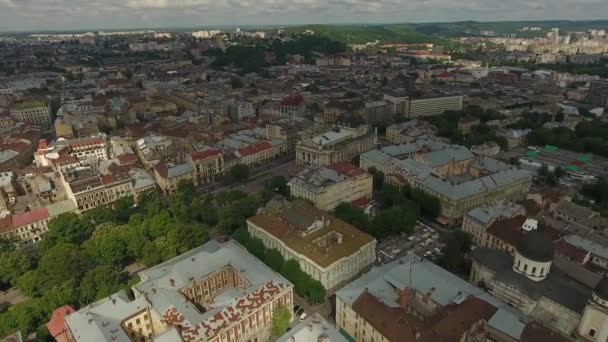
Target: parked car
column 303, row 316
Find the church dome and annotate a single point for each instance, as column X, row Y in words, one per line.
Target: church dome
column 537, row 247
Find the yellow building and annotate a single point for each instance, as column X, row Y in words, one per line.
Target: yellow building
column 340, row 144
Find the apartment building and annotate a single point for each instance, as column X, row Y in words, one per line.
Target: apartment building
column 328, row 249
column 207, row 165
column 29, row 227
column 168, row 175
column 85, row 187
column 340, row 144
column 598, row 93
column 477, row 221
column 328, row 186
column 261, row 152
column 216, row 292
column 34, row 112
column 433, row 105
column 451, row 173
column 409, row 131
column 292, row 106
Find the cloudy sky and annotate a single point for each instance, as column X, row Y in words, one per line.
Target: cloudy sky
column 97, row 14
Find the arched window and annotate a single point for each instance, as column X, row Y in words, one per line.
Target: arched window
column 525, row 267
column 534, row 270
column 542, row 271
column 518, row 263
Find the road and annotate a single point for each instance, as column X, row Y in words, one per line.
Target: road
column 285, row 167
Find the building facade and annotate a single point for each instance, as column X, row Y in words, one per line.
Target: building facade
column 340, row 144
column 326, row 187
column 215, row 293
column 329, row 250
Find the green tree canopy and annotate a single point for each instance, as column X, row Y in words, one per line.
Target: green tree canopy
column 280, row 321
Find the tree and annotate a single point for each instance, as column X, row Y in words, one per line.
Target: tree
column 239, row 173
column 315, row 292
column 355, row 216
column 455, row 253
column 67, row 228
column 108, row 247
column 62, row 262
column 13, row 265
column 276, row 185
column 236, row 83
column 280, row 321
column 98, row 283
column 123, row 208
column 397, row 219
column 274, row 259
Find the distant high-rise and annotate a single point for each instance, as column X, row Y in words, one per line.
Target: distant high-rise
column 598, row 94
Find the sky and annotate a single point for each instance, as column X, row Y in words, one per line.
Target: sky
column 31, row 15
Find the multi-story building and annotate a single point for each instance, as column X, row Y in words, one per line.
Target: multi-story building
column 598, row 93
column 207, row 165
column 216, row 292
column 261, row 152
column 478, row 220
column 328, row 186
column 407, row 132
column 534, row 284
column 435, row 105
column 85, row 187
column 29, row 227
column 241, row 110
column 34, row 112
column 292, row 106
column 168, row 175
column 413, row 299
column 450, row 173
column 340, row 144
column 328, row 249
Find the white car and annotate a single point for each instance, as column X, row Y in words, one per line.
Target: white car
column 303, row 316
column 428, row 254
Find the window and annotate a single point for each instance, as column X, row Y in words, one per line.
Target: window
column 542, row 271
column 534, row 270
column 525, row 267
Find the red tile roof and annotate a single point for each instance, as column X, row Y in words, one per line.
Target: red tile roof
column 292, row 101
column 6, row 224
column 56, row 324
column 87, row 142
column 162, row 169
column 255, row 148
column 360, row 202
column 30, row 217
column 107, row 179
column 347, row 169
column 202, row 155
column 565, row 249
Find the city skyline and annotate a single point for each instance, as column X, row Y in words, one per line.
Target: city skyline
column 42, row 15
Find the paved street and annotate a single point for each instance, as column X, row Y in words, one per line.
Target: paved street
column 258, row 176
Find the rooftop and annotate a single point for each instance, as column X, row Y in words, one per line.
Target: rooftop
column 287, row 225
column 313, row 329
column 28, row 105
column 161, row 286
column 440, row 286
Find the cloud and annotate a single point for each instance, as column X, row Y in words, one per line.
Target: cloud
column 81, row 14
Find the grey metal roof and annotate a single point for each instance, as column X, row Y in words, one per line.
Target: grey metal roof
column 485, row 215
column 161, row 283
column 101, row 321
column 420, row 275
column 178, row 170
column 313, row 329
column 588, row 245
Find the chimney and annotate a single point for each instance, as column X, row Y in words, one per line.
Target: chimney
column 172, row 282
column 428, row 294
column 404, row 297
